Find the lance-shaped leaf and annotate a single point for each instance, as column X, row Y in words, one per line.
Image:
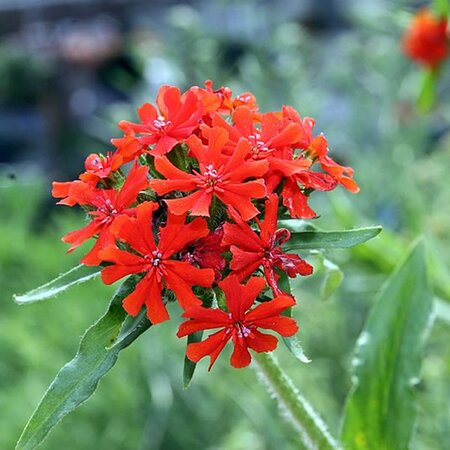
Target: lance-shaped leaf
column 76, row 275
column 296, row 225
column 380, row 411
column 79, row 378
column 189, row 366
column 330, row 239
column 131, row 326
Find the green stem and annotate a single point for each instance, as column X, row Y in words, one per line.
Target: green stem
column 313, row 431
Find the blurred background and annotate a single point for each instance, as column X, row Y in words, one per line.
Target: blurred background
column 71, row 69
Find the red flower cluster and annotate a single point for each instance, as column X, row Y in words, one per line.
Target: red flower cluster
column 196, row 215
column 427, row 39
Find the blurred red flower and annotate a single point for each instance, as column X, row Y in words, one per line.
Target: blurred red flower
column 427, row 39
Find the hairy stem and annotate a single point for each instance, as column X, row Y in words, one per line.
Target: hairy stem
column 313, row 431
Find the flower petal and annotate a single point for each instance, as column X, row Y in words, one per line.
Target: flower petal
column 270, row 309
column 77, row 237
column 135, row 182
column 105, row 240
column 286, row 326
column 261, row 342
column 241, row 356
column 164, row 145
column 244, row 263
column 241, row 234
column 295, row 201
column 181, row 276
column 211, row 346
column 240, row 297
column 197, row 204
column 147, row 113
column 269, row 225
column 176, row 234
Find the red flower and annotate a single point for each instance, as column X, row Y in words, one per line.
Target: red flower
column 343, row 175
column 177, row 118
column 427, row 39
column 128, row 146
column 306, row 126
column 207, row 252
column 238, row 324
column 295, row 199
column 221, row 100
column 154, row 260
column 61, row 189
column 317, row 148
column 274, row 132
column 110, row 205
column 99, row 166
column 213, row 100
column 251, row 250
column 219, row 175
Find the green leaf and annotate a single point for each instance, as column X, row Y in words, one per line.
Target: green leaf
column 427, row 95
column 79, row 378
column 330, row 239
column 294, row 346
column 189, row 366
column 380, row 411
column 76, row 275
column 296, row 225
column 130, row 326
column 332, row 279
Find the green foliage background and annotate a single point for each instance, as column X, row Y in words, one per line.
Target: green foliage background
column 362, row 92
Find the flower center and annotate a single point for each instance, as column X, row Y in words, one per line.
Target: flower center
column 210, row 176
column 259, row 147
column 154, row 258
column 108, row 208
column 244, row 98
column 242, row 331
column 161, row 123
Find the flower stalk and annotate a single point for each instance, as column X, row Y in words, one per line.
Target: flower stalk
column 313, row 431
